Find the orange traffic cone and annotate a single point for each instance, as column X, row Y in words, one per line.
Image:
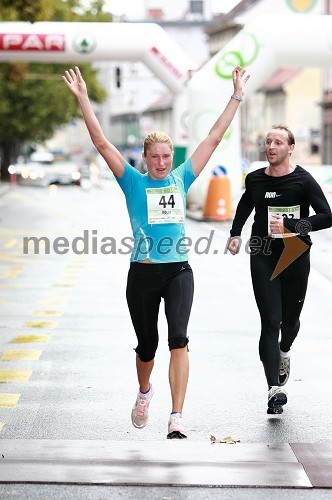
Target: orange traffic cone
column 218, row 204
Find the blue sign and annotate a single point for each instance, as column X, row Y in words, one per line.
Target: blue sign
column 219, row 171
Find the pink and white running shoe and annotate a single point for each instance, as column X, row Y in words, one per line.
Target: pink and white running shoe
column 140, row 411
column 175, row 427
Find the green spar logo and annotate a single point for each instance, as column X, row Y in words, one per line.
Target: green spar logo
column 247, row 48
column 84, row 44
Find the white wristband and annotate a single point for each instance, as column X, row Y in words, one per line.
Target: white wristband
column 236, row 97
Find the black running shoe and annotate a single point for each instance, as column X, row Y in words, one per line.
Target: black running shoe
column 277, row 398
column 284, row 370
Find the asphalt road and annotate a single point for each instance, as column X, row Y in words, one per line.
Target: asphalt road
column 82, row 382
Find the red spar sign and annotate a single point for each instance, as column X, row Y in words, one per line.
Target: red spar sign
column 32, row 42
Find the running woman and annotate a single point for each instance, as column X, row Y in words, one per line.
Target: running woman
column 281, row 194
column 156, row 203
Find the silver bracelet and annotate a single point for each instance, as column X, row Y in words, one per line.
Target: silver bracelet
column 237, row 97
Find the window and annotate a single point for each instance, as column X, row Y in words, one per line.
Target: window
column 314, row 141
column 196, row 6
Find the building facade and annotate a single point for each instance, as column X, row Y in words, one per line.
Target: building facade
column 297, row 97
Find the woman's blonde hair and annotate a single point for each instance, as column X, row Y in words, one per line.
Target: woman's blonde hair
column 156, row 137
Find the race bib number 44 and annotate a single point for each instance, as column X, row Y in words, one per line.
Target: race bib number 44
column 165, row 205
column 288, row 212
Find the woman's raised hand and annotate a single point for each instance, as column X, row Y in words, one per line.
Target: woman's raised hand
column 75, row 83
column 239, row 80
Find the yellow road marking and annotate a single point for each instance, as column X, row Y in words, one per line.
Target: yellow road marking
column 8, row 400
column 77, row 264
column 13, row 272
column 60, row 293
column 40, row 324
column 21, row 339
column 11, row 243
column 28, row 355
column 7, row 258
column 2, row 424
column 13, row 286
column 31, row 201
column 11, row 233
column 52, row 302
column 42, row 259
column 15, row 375
column 64, row 285
column 47, row 313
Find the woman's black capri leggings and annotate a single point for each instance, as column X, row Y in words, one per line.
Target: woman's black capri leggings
column 146, row 285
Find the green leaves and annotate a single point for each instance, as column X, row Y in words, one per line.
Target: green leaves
column 23, row 10
column 33, row 98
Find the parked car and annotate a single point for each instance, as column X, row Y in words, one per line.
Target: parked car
column 42, row 170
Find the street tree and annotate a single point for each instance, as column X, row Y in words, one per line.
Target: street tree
column 33, row 100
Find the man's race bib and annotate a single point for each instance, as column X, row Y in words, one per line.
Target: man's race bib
column 287, row 212
column 165, row 205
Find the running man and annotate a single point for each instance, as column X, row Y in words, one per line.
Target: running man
column 156, row 203
column 281, row 194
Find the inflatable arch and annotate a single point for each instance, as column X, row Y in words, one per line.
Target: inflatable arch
column 73, row 43
column 262, row 46
column 54, row 42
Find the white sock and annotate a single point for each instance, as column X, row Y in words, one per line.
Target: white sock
column 284, row 354
column 144, row 395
